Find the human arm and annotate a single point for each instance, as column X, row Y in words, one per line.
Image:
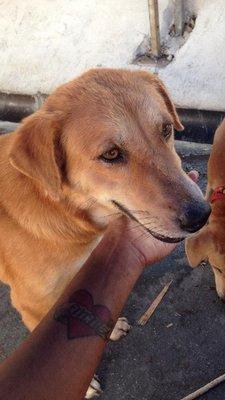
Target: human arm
column 51, row 363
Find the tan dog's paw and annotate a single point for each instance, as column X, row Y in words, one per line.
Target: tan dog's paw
column 94, row 388
column 121, row 329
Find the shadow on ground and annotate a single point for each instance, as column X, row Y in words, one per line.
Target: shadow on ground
column 182, row 346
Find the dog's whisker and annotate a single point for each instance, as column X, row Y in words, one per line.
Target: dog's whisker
column 156, row 228
column 151, row 225
column 160, row 228
column 139, row 223
column 142, row 235
column 157, row 224
column 152, row 221
column 138, row 211
column 116, row 214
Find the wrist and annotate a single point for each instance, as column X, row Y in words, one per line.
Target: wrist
column 120, row 255
column 121, row 238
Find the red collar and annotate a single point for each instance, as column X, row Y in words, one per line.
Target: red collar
column 218, row 193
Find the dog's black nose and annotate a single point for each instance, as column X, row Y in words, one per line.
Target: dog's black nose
column 194, row 216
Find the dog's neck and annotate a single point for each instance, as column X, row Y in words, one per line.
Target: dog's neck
column 218, row 194
column 217, row 201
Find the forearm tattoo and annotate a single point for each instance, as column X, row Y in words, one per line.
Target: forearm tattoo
column 83, row 318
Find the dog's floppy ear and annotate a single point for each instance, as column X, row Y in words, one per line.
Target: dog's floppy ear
column 157, row 83
column 198, row 246
column 37, row 153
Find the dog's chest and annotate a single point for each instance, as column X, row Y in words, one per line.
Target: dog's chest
column 62, row 275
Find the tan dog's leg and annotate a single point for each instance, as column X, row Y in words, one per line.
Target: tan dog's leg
column 197, row 247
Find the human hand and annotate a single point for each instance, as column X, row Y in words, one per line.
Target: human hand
column 145, row 248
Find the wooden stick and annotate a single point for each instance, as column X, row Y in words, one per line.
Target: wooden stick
column 145, row 317
column 154, row 27
column 205, row 388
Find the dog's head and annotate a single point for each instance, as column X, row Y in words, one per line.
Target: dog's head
column 106, row 141
column 208, row 245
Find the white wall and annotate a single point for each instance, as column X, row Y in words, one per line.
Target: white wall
column 196, row 78
column 47, row 42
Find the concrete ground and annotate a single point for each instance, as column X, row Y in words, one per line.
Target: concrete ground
column 181, row 348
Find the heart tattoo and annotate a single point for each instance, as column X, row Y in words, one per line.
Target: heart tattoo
column 83, row 318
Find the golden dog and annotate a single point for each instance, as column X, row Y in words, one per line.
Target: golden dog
column 209, row 242
column 100, row 145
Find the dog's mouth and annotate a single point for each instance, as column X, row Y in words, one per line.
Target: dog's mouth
column 162, row 238
column 166, row 239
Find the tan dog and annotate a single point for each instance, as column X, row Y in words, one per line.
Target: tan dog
column 209, row 242
column 100, row 145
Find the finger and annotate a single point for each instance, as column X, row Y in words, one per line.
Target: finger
column 194, row 175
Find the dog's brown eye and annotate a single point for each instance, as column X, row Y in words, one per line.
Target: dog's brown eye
column 111, row 155
column 167, row 131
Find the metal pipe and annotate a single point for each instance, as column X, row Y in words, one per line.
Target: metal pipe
column 14, row 107
column 200, row 125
